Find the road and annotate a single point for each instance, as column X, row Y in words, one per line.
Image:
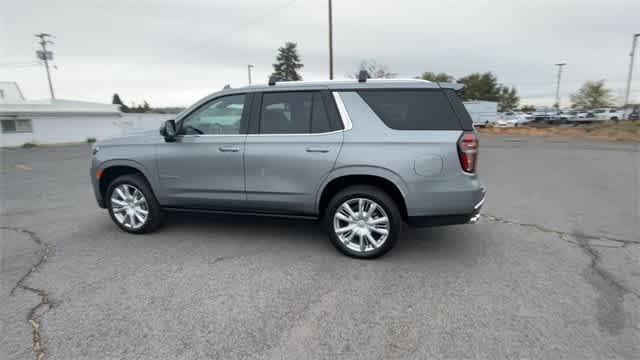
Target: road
column 551, row 271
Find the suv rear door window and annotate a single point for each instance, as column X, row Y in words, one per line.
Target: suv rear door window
column 412, row 109
column 286, row 113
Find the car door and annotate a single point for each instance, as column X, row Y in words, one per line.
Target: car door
column 291, row 148
column 203, row 167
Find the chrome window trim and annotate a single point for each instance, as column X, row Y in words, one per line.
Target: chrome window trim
column 206, row 135
column 298, row 134
column 342, row 110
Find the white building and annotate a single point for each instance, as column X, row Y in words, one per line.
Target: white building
column 63, row 121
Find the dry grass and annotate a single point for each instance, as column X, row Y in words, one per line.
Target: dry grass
column 606, row 130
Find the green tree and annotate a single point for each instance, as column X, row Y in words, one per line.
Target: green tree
column 592, row 94
column 508, row 99
column 439, row 77
column 481, row 87
column 375, row 70
column 288, row 63
column 527, row 108
column 146, row 107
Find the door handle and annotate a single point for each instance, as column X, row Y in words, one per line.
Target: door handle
column 317, row 150
column 229, row 148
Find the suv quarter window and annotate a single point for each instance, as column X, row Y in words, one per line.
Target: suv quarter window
column 220, row 116
column 412, row 109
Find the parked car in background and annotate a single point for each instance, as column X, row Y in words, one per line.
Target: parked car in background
column 567, row 115
column 585, row 115
column 543, row 115
column 609, row 114
column 634, row 114
column 505, row 123
column 316, row 150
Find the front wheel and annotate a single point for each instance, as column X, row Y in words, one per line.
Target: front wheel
column 132, row 205
column 363, row 222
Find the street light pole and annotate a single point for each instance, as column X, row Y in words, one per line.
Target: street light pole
column 249, row 67
column 45, row 56
column 559, row 65
column 632, row 55
column 330, row 41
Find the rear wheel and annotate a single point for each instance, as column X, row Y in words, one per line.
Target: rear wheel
column 363, row 222
column 132, row 205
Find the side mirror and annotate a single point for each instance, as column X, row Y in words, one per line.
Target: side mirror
column 168, row 130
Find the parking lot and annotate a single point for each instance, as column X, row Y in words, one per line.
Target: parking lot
column 551, row 271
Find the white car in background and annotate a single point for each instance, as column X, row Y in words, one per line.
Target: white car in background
column 568, row 115
column 608, row 114
column 585, row 116
column 512, row 119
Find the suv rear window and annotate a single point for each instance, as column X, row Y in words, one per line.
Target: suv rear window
column 412, row 109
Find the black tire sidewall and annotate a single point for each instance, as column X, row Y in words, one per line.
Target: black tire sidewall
column 383, row 200
column 155, row 213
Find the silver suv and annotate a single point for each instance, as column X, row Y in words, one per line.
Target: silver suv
column 363, row 156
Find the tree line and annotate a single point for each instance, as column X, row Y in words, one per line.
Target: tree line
column 140, row 108
column 477, row 86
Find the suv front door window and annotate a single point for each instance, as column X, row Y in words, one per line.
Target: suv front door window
column 219, row 117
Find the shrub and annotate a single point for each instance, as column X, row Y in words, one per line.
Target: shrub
column 91, row 140
column 28, row 145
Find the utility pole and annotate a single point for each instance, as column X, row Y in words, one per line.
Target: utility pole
column 46, row 55
column 330, row 41
column 632, row 55
column 249, row 67
column 559, row 65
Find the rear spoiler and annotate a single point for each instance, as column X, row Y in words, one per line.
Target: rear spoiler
column 456, row 87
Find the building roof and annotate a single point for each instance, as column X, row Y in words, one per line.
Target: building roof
column 14, row 103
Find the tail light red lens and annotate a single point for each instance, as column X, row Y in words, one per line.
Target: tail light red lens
column 468, row 151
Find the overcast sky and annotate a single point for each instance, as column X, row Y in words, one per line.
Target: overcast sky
column 173, row 52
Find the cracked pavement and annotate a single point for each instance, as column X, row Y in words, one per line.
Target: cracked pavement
column 551, row 271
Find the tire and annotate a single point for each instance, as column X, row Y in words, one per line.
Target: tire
column 350, row 244
column 135, row 185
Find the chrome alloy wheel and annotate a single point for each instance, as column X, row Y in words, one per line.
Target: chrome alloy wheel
column 361, row 224
column 129, row 206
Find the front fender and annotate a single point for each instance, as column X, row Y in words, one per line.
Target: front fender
column 147, row 173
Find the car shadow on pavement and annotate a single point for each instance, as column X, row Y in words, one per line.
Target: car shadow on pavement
column 453, row 242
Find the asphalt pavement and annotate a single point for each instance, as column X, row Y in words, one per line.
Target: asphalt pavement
column 551, row 271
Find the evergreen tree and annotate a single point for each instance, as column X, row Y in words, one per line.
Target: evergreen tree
column 117, row 101
column 146, row 107
column 288, row 63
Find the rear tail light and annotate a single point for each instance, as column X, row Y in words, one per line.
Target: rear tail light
column 468, row 151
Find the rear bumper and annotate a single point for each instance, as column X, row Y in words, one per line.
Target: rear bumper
column 442, row 220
